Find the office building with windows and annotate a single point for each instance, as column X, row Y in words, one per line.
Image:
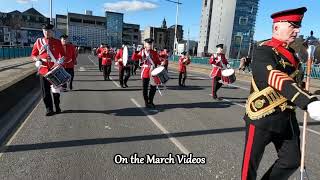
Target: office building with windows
column 229, row 22
column 114, row 26
column 131, row 34
column 21, row 28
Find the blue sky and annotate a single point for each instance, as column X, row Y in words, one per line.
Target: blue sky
column 152, row 12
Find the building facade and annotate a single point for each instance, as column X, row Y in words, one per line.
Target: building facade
column 158, row 34
column 163, row 36
column 243, row 28
column 170, row 36
column 131, row 34
column 114, row 26
column 229, row 22
column 21, row 28
column 83, row 29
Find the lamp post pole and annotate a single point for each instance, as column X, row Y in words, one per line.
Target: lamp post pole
column 51, row 12
column 176, row 27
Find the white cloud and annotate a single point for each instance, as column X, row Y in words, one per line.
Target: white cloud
column 25, row 1
column 133, row 5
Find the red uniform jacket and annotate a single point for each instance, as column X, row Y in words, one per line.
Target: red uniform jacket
column 99, row 51
column 70, row 58
column 106, row 57
column 55, row 48
column 148, row 62
column 216, row 60
column 164, row 57
column 183, row 62
column 119, row 56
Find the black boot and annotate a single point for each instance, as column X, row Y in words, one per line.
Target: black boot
column 58, row 109
column 151, row 96
column 180, row 77
column 125, row 81
column 49, row 112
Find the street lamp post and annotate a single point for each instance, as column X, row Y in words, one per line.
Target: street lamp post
column 176, row 27
column 51, row 12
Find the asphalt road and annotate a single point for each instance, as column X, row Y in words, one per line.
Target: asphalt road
column 100, row 120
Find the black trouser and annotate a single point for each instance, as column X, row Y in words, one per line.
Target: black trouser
column 216, row 85
column 148, row 98
column 122, row 70
column 184, row 78
column 106, row 71
column 100, row 64
column 135, row 67
column 46, row 94
column 71, row 72
column 287, row 144
column 166, row 67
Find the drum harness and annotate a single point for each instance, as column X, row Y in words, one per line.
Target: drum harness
column 146, row 57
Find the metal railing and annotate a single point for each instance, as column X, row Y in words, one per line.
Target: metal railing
column 235, row 63
column 14, row 52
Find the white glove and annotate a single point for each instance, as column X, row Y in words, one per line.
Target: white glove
column 314, row 110
column 38, row 63
column 116, row 63
column 228, row 66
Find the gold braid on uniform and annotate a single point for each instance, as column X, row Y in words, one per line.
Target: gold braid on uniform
column 262, row 103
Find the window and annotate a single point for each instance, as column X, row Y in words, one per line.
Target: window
column 243, row 20
column 237, row 39
column 75, row 20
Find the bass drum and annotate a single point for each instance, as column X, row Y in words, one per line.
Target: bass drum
column 125, row 55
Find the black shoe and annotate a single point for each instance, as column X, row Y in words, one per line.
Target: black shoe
column 148, row 105
column 152, row 105
column 126, row 85
column 49, row 113
column 70, row 87
column 58, row 110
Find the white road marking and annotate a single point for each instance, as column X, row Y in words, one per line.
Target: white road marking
column 89, row 57
column 82, row 69
column 175, row 141
column 107, row 127
column 115, row 83
column 19, row 129
column 232, row 85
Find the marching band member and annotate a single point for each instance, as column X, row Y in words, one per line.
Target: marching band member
column 276, row 90
column 164, row 56
column 149, row 60
column 183, row 62
column 44, row 64
column 99, row 54
column 218, row 61
column 122, row 68
column 106, row 62
column 70, row 58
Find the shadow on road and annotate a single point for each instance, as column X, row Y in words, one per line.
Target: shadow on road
column 135, row 111
column 107, row 90
column 104, row 141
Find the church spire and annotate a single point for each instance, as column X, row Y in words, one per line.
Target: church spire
column 164, row 23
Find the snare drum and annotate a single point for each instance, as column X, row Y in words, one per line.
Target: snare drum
column 161, row 74
column 58, row 76
column 228, row 76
